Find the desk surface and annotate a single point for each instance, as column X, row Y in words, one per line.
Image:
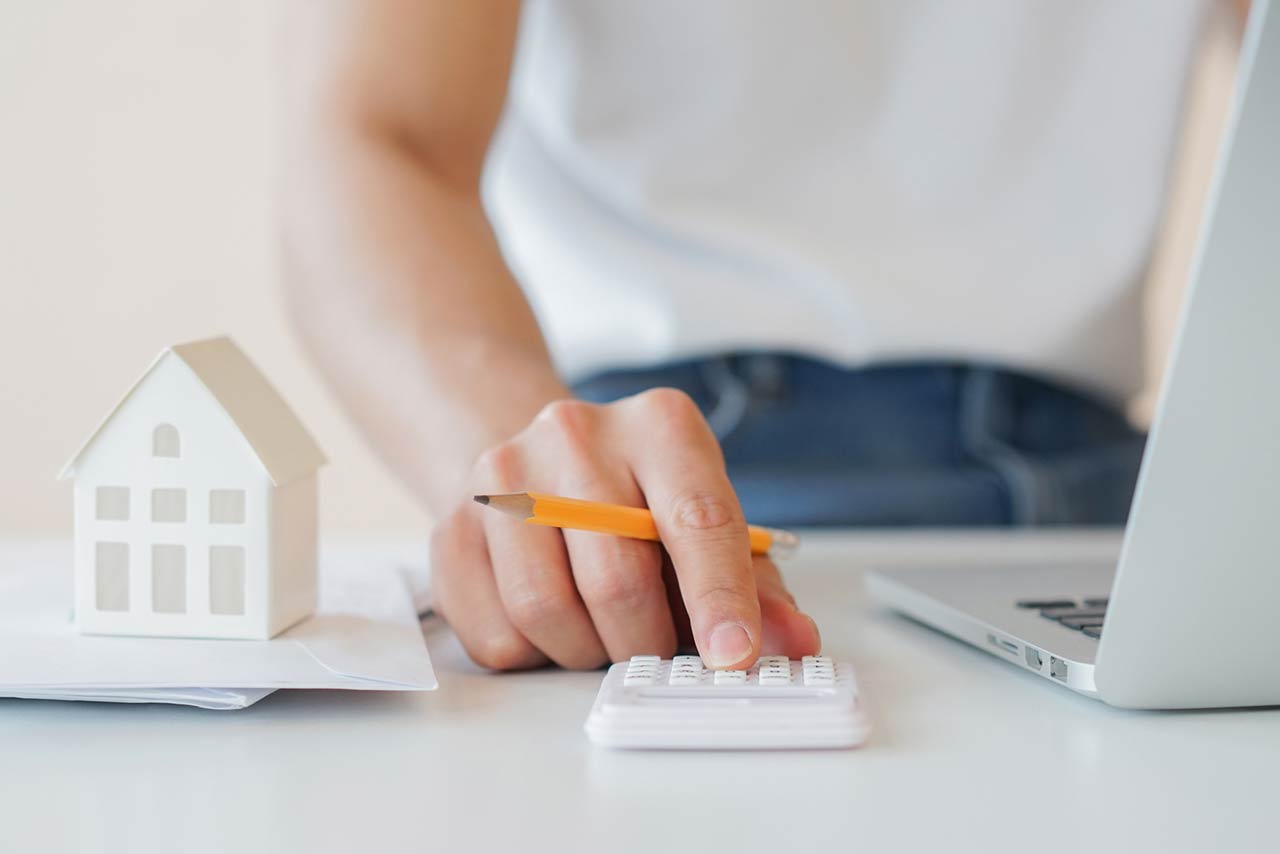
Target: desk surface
column 968, row 753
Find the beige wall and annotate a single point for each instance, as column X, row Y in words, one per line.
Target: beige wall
column 136, row 210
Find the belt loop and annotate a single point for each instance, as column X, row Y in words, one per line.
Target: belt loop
column 984, row 412
column 729, row 392
column 767, row 374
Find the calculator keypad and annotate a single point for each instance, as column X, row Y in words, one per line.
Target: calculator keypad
column 771, row 671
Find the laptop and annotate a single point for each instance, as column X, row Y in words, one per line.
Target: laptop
column 1189, row 617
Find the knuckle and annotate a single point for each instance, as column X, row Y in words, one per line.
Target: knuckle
column 673, row 416
column 670, row 401
column 502, row 651
column 566, row 415
column 619, row 585
column 702, row 511
column 500, row 466
column 722, row 592
column 530, row 608
column 571, row 424
column 672, row 405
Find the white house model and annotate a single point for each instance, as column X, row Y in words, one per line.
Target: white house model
column 195, row 504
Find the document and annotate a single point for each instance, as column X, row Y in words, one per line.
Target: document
column 365, row 636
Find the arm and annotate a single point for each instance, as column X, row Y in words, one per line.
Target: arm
column 402, row 295
column 394, row 275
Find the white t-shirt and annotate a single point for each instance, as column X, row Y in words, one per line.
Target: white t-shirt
column 857, row 181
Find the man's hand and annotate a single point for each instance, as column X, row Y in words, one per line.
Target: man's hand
column 521, row 595
column 401, row 291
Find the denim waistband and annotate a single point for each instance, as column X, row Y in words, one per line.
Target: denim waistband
column 795, row 417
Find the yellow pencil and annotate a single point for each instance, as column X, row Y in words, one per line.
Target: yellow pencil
column 634, row 522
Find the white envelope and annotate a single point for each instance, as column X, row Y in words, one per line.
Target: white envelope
column 364, row 636
column 219, row 699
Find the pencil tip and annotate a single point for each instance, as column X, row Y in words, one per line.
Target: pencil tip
column 481, row 499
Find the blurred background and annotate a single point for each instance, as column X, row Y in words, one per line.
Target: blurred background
column 137, row 209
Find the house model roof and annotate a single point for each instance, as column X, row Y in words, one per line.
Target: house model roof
column 283, row 446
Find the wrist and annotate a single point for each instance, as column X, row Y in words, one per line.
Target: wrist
column 511, row 386
column 494, row 392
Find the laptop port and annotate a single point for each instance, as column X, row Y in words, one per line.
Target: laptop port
column 1057, row 668
column 1003, row 643
column 1032, row 655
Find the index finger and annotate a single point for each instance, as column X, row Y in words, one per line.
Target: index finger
column 677, row 463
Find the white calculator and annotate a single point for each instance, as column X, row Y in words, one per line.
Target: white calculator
column 680, row 705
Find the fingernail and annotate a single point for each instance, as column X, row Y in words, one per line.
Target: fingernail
column 729, row 643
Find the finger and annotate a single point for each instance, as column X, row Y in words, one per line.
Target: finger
column 621, row 584
column 620, row 579
column 538, row 592
column 678, row 465
column 787, row 630
column 531, row 568
column 467, row 596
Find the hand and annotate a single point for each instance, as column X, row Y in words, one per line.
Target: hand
column 521, row 595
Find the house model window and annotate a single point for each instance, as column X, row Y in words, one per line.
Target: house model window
column 219, row 541
column 165, row 441
column 226, row 506
column 168, row 578
column 111, row 503
column 111, row 576
column 226, row 579
column 168, row 505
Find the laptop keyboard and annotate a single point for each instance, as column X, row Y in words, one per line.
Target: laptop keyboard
column 1084, row 615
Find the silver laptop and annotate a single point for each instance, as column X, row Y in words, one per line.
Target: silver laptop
column 1190, row 616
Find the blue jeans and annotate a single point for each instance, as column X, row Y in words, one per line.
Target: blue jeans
column 808, row 443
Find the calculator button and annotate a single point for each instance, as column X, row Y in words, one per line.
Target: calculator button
column 774, row 670
column 642, row 670
column 818, row 670
column 731, row 677
column 685, row 670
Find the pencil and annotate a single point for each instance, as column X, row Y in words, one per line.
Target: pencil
column 634, row 522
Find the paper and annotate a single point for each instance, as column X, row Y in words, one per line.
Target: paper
column 205, row 698
column 365, row 636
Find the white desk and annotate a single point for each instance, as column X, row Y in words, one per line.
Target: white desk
column 967, row 754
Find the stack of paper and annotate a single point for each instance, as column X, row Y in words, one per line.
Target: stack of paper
column 364, row 636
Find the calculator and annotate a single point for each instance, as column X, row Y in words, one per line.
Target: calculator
column 678, row 704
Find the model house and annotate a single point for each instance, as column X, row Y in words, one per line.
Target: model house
column 195, row 504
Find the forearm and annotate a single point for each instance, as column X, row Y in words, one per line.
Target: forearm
column 400, row 290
